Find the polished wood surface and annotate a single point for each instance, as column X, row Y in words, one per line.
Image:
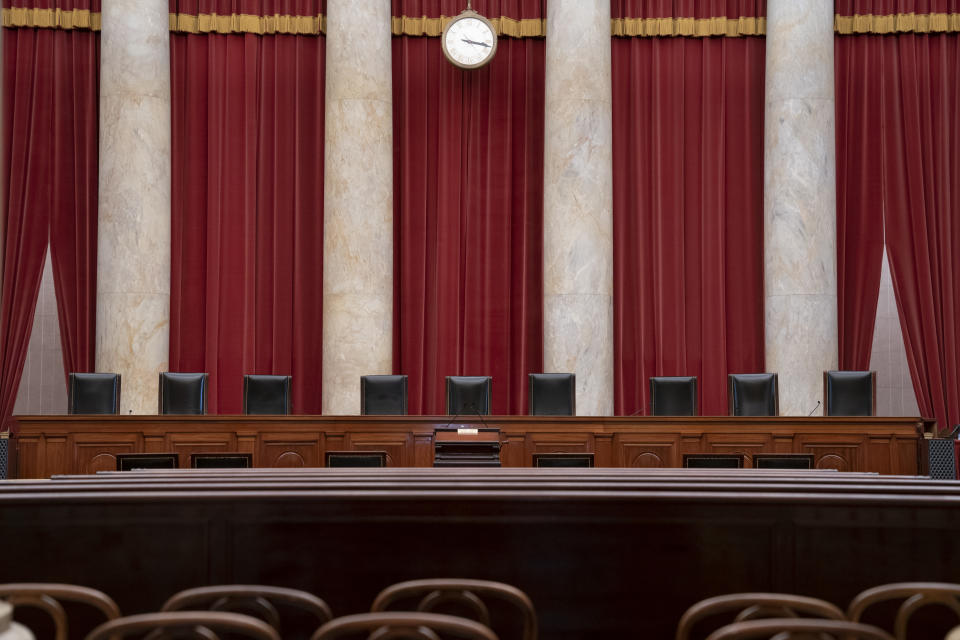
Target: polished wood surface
column 602, row 553
column 50, row 445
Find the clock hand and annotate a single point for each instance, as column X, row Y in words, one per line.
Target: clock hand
column 482, row 44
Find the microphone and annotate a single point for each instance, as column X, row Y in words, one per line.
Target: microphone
column 814, row 409
column 455, row 416
column 476, row 410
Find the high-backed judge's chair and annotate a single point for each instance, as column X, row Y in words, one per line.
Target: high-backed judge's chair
column 183, row 394
column 850, row 393
column 468, row 395
column 383, row 395
column 753, row 394
column 553, row 394
column 673, row 395
column 93, row 393
column 265, row 395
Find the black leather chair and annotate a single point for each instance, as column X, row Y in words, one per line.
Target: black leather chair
column 93, row 393
column 265, row 395
column 673, row 396
column 183, row 394
column 850, row 393
column 468, row 395
column 753, row 394
column 553, row 394
column 383, row 395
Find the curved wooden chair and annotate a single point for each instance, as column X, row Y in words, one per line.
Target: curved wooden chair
column 799, row 628
column 752, row 606
column 47, row 596
column 469, row 594
column 407, row 625
column 915, row 596
column 256, row 600
column 198, row 624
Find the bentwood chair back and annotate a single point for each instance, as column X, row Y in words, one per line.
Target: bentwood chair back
column 257, row 600
column 799, row 629
column 48, row 596
column 750, row 606
column 915, row 595
column 471, row 596
column 185, row 624
column 409, row 625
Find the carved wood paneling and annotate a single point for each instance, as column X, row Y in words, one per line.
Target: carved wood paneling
column 48, row 444
column 397, row 446
column 289, row 450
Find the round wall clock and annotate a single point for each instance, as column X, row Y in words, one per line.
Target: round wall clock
column 469, row 40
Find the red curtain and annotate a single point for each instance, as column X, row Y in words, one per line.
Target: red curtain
column 859, row 196
column 468, row 211
column 688, row 212
column 51, row 80
column 914, row 92
column 247, row 219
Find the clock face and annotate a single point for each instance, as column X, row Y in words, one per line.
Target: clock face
column 469, row 41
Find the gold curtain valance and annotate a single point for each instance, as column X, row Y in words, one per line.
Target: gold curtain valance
column 897, row 23
column 504, row 26
column 246, row 23
column 689, row 27
column 16, row 17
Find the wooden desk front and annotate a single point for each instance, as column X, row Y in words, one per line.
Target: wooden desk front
column 51, row 445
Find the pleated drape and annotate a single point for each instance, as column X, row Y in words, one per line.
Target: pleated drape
column 51, row 80
column 688, row 213
column 898, row 99
column 468, row 211
column 247, row 246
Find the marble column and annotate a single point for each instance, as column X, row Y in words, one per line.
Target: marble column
column 578, row 201
column 133, row 260
column 799, row 201
column 357, row 201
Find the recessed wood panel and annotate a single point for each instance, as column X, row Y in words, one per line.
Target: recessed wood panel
column 92, row 453
column 398, row 447
column 289, row 450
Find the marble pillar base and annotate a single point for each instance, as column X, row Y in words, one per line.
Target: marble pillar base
column 574, row 342
column 133, row 331
column 357, row 341
column 801, row 338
